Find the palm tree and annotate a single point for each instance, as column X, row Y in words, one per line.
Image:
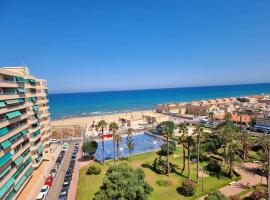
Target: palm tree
column 114, row 128
column 250, row 113
column 226, row 133
column 232, row 158
column 244, row 140
column 118, row 140
column 102, row 124
column 228, row 117
column 211, row 115
column 167, row 133
column 199, row 132
column 190, row 142
column 183, row 128
column 130, row 143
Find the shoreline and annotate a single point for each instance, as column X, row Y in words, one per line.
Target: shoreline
column 135, row 110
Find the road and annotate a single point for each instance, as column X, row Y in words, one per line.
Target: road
column 58, row 180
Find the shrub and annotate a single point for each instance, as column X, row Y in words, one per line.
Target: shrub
column 93, row 170
column 160, row 166
column 188, row 188
column 164, row 148
column 164, row 183
column 258, row 194
column 216, row 196
column 214, row 167
column 123, row 182
column 90, row 147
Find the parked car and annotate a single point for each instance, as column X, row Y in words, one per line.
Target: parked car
column 49, row 181
column 43, row 192
column 41, row 196
column 53, row 173
column 66, row 185
column 63, row 194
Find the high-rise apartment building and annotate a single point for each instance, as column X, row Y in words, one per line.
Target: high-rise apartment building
column 25, row 131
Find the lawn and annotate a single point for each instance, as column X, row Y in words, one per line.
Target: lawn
column 89, row 184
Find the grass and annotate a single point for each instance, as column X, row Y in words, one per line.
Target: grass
column 89, row 184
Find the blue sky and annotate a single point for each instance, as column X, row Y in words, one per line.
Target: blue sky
column 118, row 45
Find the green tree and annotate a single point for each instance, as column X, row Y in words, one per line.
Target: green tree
column 216, row 196
column 199, row 133
column 114, row 128
column 211, row 115
column 190, row 142
column 117, row 140
column 232, row 158
column 90, row 147
column 102, row 125
column 124, row 183
column 130, row 143
column 264, row 142
column 183, row 128
column 244, row 140
column 228, row 117
column 226, row 132
column 167, row 131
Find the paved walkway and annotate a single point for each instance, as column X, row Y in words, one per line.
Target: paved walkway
column 249, row 178
column 37, row 180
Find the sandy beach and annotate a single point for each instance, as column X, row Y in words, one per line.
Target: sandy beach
column 83, row 121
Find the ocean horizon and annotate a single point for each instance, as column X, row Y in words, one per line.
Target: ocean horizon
column 96, row 103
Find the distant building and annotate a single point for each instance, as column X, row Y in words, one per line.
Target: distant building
column 25, row 131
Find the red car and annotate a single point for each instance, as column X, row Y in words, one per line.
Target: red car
column 49, row 181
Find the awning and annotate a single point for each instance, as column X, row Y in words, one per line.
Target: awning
column 5, row 144
column 19, row 79
column 33, row 99
column 12, row 101
column 6, row 187
column 13, row 114
column 24, row 132
column 40, row 149
column 2, row 104
column 21, row 90
column 18, row 160
column 14, row 137
column 3, row 131
column 32, row 81
column 21, row 100
column 36, row 133
column 5, row 171
column 38, row 116
column 20, row 183
column 35, row 108
column 262, row 127
column 5, row 158
column 29, row 171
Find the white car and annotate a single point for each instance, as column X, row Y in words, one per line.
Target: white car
column 41, row 197
column 43, row 192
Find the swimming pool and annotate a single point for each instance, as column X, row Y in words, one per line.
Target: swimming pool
column 143, row 143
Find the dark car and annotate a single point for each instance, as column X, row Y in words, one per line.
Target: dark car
column 66, row 184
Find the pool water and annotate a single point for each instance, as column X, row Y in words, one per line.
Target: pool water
column 142, row 143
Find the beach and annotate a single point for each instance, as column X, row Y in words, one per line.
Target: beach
column 83, row 121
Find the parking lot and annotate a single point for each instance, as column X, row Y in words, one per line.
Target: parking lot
column 58, row 180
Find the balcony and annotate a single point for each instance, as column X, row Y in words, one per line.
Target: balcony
column 12, row 108
column 13, row 132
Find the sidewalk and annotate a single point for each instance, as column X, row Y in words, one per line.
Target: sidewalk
column 249, row 177
column 32, row 189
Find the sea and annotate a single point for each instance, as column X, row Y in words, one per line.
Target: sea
column 98, row 103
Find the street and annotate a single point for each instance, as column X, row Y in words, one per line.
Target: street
column 58, row 180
